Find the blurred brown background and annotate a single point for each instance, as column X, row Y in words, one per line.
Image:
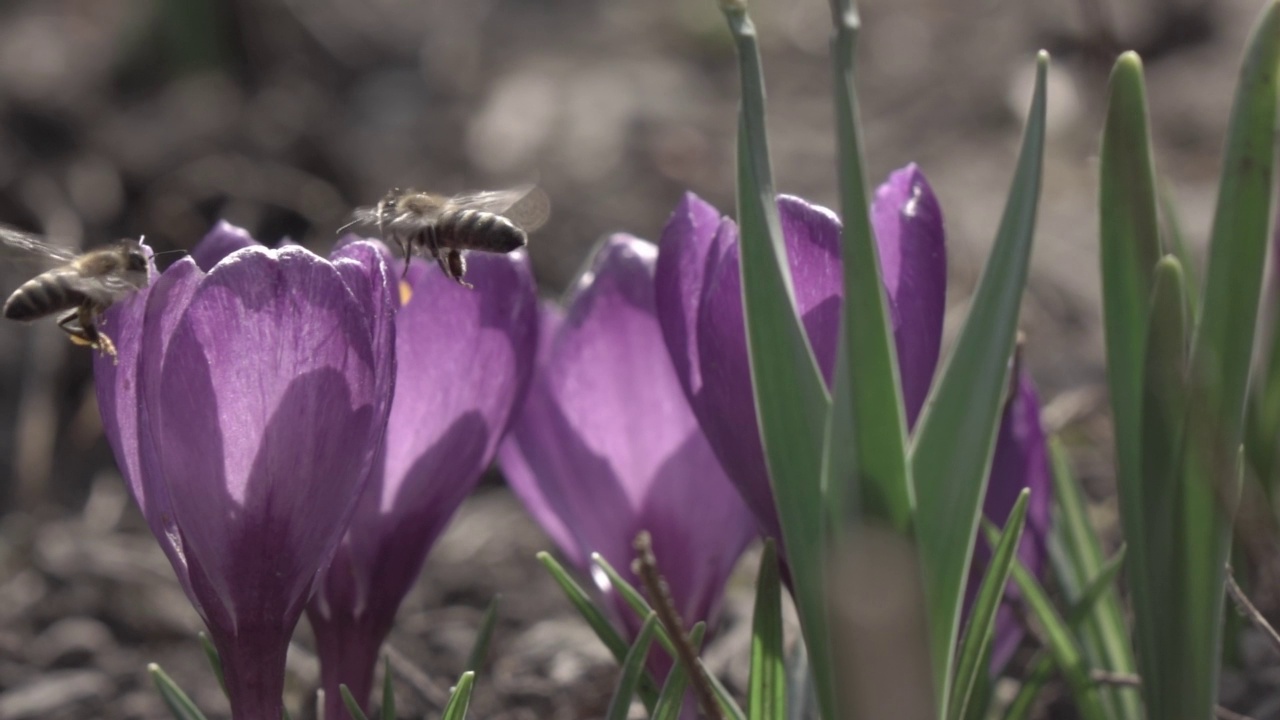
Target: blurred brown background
column 124, row 117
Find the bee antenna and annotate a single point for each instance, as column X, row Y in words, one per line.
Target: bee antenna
column 168, row 252
column 353, row 223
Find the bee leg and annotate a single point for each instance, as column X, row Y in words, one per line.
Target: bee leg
column 442, row 262
column 457, row 267
column 70, row 324
column 81, row 326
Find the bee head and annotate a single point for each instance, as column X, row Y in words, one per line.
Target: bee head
column 135, row 260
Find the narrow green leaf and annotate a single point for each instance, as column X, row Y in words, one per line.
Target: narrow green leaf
column 671, row 700
column 632, row 670
column 767, row 687
column 790, row 395
column 582, row 602
column 177, row 701
column 388, row 692
column 956, row 432
column 598, row 622
column 866, row 449
column 1157, row 616
column 727, row 704
column 353, row 705
column 1175, row 241
column 1218, row 382
column 634, row 600
column 1066, row 653
column 976, row 644
column 978, row 706
column 484, row 635
column 1263, row 442
column 211, row 654
column 1076, row 555
column 460, row 700
column 1041, row 667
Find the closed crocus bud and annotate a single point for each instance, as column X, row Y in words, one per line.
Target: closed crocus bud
column 606, row 445
column 1020, row 460
column 699, row 301
column 246, row 410
column 465, row 358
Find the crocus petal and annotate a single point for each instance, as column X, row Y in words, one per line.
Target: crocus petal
column 700, row 278
column 144, row 327
column 534, row 414
column 466, row 357
column 260, row 421
column 1020, row 460
column 246, row 461
column 607, row 444
column 220, row 242
column 687, row 245
column 726, row 406
column 913, row 266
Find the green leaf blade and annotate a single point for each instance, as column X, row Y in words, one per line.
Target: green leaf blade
column 671, row 699
column 597, row 621
column 460, row 700
column 353, row 705
column 956, row 433
column 1058, row 639
column 975, row 648
column 1076, row 555
column 484, row 636
column 866, row 451
column 632, row 670
column 790, row 394
column 178, row 702
column 766, row 692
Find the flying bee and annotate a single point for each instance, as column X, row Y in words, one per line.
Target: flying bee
column 442, row 226
column 84, row 285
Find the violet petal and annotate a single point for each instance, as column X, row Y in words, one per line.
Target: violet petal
column 913, row 266
column 466, row 358
column 220, row 242
column 1020, row 460
column 608, row 445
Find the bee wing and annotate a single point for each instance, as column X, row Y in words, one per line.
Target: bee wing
column 527, row 206
column 33, row 246
column 106, row 289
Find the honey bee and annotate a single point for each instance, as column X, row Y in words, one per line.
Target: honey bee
column 83, row 284
column 442, row 226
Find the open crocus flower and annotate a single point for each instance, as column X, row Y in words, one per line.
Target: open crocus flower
column 1020, row 460
column 246, row 410
column 606, row 445
column 699, row 304
column 465, row 359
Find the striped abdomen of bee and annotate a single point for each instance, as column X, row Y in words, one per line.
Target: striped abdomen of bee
column 45, row 294
column 469, row 229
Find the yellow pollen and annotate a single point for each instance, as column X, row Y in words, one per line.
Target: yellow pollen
column 406, row 292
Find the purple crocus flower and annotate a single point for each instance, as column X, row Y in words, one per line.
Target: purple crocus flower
column 607, row 446
column 1020, row 460
column 465, row 359
column 248, row 404
column 700, row 308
